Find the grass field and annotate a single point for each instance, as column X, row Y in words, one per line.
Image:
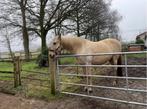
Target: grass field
column 36, row 86
column 143, row 55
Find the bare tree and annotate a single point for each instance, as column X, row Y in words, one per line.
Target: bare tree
column 95, row 20
column 14, row 16
column 92, row 18
column 48, row 15
column 22, row 4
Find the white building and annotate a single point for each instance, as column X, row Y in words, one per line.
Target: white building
column 143, row 36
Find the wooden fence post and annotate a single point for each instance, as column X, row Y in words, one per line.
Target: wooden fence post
column 17, row 71
column 52, row 71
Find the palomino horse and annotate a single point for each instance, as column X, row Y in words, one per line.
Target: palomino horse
column 77, row 45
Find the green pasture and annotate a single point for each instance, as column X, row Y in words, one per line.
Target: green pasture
column 143, row 55
column 31, row 88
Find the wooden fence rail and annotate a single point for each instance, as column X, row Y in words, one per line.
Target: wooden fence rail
column 10, row 72
column 16, row 70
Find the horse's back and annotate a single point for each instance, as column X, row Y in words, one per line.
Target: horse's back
column 113, row 44
column 104, row 46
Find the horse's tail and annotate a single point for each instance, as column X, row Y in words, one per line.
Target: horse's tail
column 119, row 69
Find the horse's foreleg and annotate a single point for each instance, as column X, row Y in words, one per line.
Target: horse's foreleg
column 90, row 80
column 114, row 62
column 85, row 72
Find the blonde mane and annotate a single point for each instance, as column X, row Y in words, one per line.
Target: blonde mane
column 71, row 43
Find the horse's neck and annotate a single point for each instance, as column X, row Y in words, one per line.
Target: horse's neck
column 71, row 44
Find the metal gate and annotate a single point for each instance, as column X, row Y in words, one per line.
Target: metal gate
column 126, row 78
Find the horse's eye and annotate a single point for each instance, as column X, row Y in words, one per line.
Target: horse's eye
column 54, row 43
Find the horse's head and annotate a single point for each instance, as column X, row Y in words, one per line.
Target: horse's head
column 55, row 46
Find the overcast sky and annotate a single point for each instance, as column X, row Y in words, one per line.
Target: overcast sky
column 134, row 21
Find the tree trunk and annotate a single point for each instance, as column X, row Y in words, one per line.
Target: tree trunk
column 9, row 44
column 26, row 43
column 43, row 41
column 98, row 33
column 43, row 32
column 24, row 30
column 10, row 50
column 78, row 24
column 43, row 44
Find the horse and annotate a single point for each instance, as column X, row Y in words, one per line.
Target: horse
column 77, row 45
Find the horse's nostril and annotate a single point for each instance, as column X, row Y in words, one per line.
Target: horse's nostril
column 52, row 56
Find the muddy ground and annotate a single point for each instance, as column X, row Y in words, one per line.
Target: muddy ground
column 74, row 102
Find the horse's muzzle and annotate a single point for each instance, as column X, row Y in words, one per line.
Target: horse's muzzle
column 52, row 54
